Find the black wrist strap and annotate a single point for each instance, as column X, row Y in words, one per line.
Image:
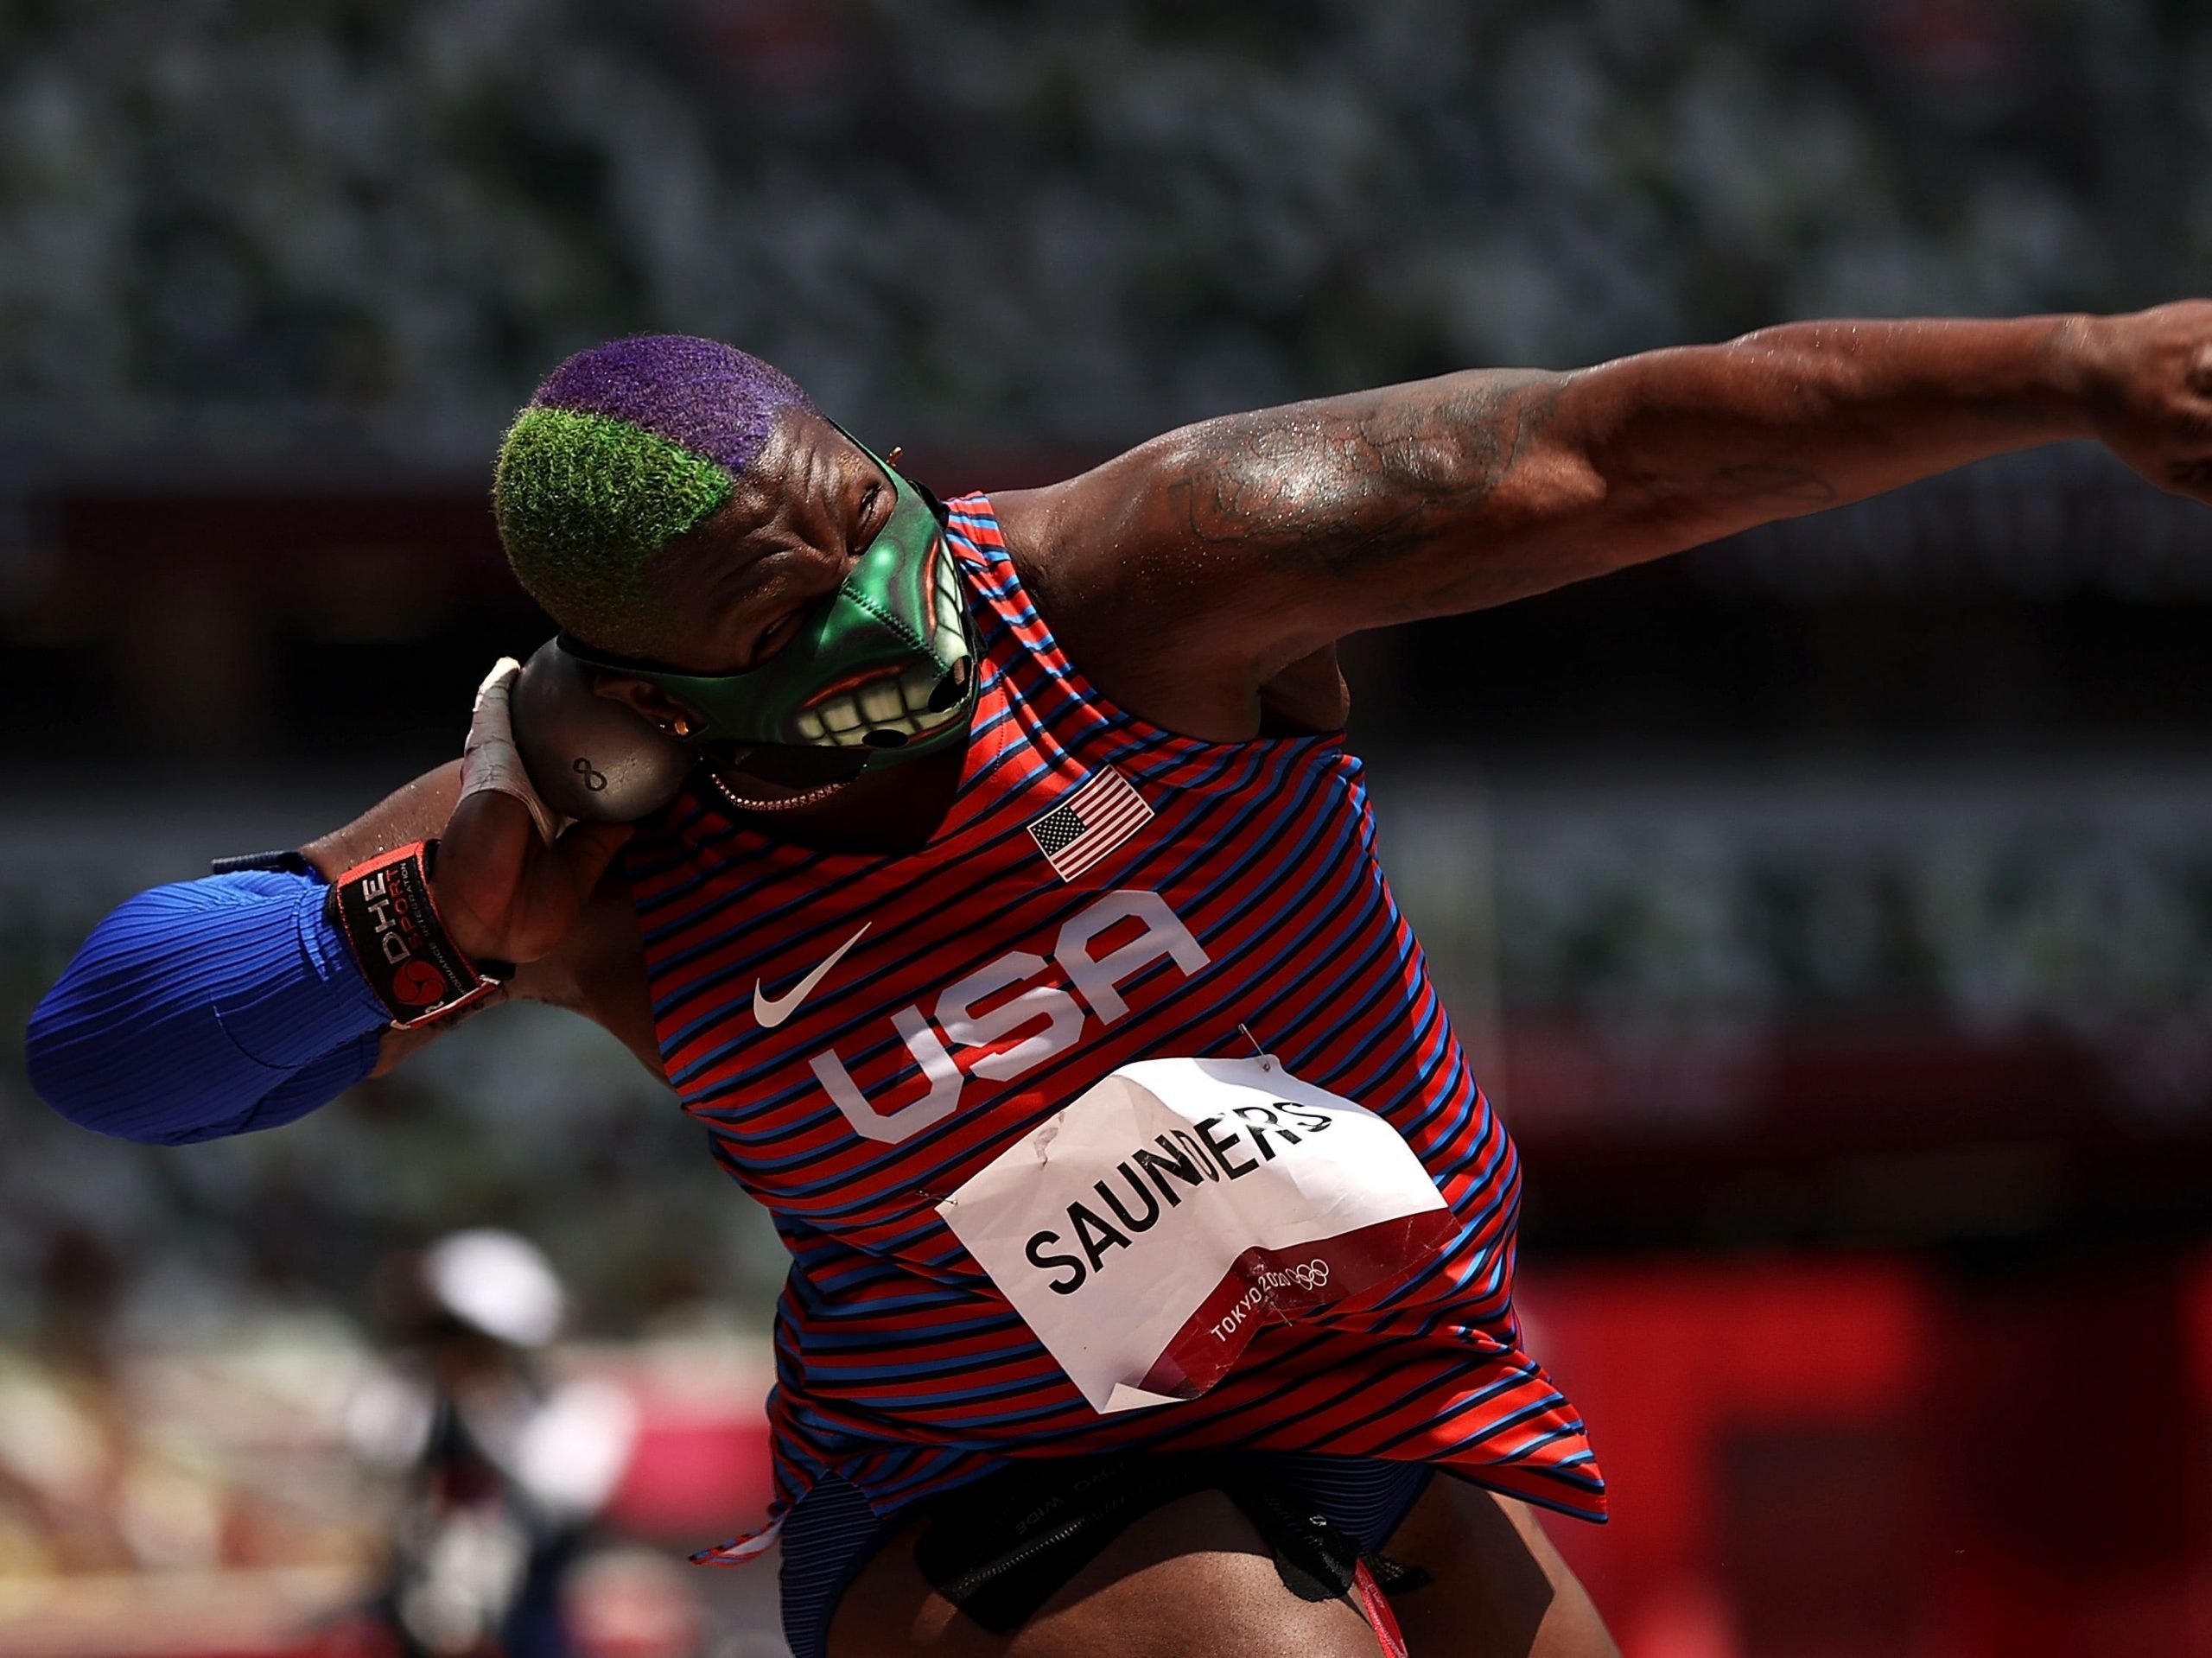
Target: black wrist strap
column 390, row 921
column 286, row 862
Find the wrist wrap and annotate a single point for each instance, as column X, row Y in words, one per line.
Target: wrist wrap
column 385, row 909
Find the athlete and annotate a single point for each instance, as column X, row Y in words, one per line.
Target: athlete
column 1016, row 929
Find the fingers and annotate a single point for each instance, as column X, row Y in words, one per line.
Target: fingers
column 482, row 860
column 550, row 890
column 488, row 826
column 586, row 849
column 2199, row 374
column 2153, row 375
column 490, row 762
column 499, row 682
column 507, row 888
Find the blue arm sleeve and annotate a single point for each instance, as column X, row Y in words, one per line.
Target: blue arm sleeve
column 205, row 1008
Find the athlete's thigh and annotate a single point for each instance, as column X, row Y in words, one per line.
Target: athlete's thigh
column 1501, row 1590
column 1191, row 1579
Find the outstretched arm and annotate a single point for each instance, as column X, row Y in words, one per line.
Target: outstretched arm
column 1266, row 536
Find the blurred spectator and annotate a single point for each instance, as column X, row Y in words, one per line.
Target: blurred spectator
column 506, row 1470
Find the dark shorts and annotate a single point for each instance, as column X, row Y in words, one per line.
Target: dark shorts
column 1055, row 1514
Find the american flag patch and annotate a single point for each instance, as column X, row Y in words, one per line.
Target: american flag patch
column 1090, row 824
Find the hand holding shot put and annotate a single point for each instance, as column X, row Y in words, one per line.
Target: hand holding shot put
column 971, row 830
column 510, row 881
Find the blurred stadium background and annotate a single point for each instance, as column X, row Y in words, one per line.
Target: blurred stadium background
column 1829, row 911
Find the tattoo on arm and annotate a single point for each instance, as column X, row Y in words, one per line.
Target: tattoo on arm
column 1449, row 495
column 1337, row 489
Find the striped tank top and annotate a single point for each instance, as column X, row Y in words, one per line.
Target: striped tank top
column 981, row 983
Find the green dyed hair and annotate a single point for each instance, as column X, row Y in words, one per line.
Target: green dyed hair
column 584, row 505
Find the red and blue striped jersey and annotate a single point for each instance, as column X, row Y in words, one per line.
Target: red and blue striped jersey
column 981, row 983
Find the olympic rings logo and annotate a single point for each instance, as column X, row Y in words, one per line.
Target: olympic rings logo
column 1306, row 1275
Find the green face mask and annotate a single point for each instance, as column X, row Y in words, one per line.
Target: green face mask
column 887, row 664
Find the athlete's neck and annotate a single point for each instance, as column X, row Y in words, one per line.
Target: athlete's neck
column 893, row 809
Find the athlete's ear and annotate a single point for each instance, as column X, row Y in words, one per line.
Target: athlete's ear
column 649, row 701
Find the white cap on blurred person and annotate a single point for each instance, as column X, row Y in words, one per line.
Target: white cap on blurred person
column 496, row 1282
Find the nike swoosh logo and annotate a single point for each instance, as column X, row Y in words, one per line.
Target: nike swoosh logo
column 772, row 1010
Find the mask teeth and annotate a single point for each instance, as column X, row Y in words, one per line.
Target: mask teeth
column 903, row 704
column 952, row 641
column 899, row 705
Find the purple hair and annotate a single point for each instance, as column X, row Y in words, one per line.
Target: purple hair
column 712, row 399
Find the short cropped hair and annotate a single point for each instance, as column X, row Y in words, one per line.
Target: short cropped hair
column 622, row 449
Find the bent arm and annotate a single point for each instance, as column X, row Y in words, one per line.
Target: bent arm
column 229, row 1004
column 596, row 968
column 1279, row 532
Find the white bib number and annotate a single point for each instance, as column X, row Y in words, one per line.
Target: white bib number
column 1145, row 1230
